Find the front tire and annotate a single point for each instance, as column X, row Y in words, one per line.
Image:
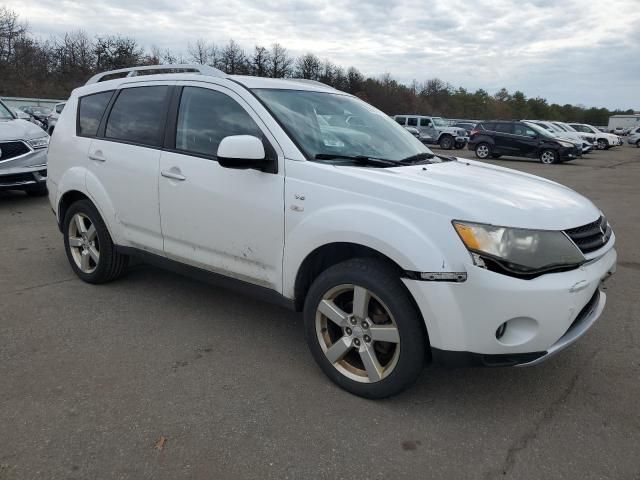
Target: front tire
column 447, row 142
column 603, row 144
column 37, row 192
column 89, row 247
column 459, row 145
column 548, row 156
column 363, row 328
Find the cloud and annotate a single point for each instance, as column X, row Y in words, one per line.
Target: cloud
column 568, row 52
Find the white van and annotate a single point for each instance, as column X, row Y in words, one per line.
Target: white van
column 310, row 197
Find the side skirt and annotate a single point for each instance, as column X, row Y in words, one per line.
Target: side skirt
column 212, row 278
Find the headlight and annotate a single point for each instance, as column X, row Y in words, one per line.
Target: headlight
column 520, row 251
column 40, row 142
column 566, row 144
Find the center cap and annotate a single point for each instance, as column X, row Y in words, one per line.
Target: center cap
column 358, row 332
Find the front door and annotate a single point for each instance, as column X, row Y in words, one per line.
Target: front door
column 225, row 220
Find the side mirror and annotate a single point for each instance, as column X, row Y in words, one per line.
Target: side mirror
column 242, row 151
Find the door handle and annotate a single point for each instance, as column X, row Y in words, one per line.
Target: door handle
column 173, row 173
column 97, row 156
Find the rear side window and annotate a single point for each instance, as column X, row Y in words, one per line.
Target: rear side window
column 90, row 111
column 138, row 115
column 206, row 117
column 412, row 122
column 504, row 127
column 401, row 120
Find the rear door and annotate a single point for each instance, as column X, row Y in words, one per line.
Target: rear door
column 125, row 160
column 504, row 141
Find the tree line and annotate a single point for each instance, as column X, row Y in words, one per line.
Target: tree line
column 31, row 67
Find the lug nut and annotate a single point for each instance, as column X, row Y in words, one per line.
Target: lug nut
column 356, row 342
column 365, row 325
column 353, row 321
column 348, row 330
column 367, row 338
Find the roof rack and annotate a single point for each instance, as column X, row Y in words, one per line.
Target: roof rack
column 172, row 68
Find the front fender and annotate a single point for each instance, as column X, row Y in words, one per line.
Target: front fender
column 379, row 229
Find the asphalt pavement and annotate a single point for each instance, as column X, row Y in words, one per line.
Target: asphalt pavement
column 159, row 376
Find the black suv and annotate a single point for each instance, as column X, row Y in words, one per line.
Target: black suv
column 520, row 139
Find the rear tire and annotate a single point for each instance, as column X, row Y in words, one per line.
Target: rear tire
column 447, row 142
column 548, row 156
column 376, row 350
column 89, row 247
column 483, row 151
column 459, row 145
column 638, row 144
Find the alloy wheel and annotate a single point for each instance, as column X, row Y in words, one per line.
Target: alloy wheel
column 83, row 243
column 547, row 157
column 602, row 144
column 482, row 151
column 357, row 333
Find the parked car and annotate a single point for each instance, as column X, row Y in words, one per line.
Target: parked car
column 53, row 117
column 604, row 140
column 561, row 133
column 634, row 137
column 468, row 126
column 23, row 162
column 620, row 131
column 589, row 138
column 434, row 130
column 40, row 114
column 394, row 255
column 520, row 139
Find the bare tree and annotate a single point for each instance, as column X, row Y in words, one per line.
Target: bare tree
column 11, row 29
column 281, row 63
column 198, row 51
column 260, row 61
column 308, row 66
column 233, row 59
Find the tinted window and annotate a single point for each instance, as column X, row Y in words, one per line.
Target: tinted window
column 425, row 122
column 412, row 122
column 206, row 117
column 401, row 120
column 504, row 127
column 488, row 126
column 90, row 112
column 520, row 129
column 138, row 115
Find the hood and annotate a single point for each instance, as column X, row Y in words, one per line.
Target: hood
column 19, row 130
column 478, row 192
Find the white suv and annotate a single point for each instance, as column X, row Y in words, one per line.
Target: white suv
column 396, row 256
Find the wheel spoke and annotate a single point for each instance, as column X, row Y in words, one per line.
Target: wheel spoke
column 361, row 297
column 75, row 242
column 84, row 261
column 333, row 313
column 93, row 253
column 80, row 224
column 338, row 350
column 384, row 333
column 371, row 363
column 91, row 233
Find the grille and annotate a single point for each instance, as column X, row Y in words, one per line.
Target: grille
column 12, row 149
column 591, row 237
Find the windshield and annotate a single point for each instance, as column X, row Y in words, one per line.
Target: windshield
column 539, row 130
column 5, row 113
column 569, row 128
column 438, row 122
column 330, row 125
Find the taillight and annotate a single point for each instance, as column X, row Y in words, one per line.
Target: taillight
column 474, row 131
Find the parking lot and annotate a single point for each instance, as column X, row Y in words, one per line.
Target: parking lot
column 159, row 376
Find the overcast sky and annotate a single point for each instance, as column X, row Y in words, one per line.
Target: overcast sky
column 569, row 51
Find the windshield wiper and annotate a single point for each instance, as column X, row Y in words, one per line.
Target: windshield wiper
column 358, row 158
column 418, row 157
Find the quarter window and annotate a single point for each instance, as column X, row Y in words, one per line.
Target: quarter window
column 138, row 115
column 90, row 112
column 206, row 117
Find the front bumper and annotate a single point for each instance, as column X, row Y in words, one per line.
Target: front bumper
column 24, row 172
column 545, row 314
column 464, row 140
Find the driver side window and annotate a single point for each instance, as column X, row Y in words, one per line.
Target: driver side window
column 205, row 117
column 425, row 122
